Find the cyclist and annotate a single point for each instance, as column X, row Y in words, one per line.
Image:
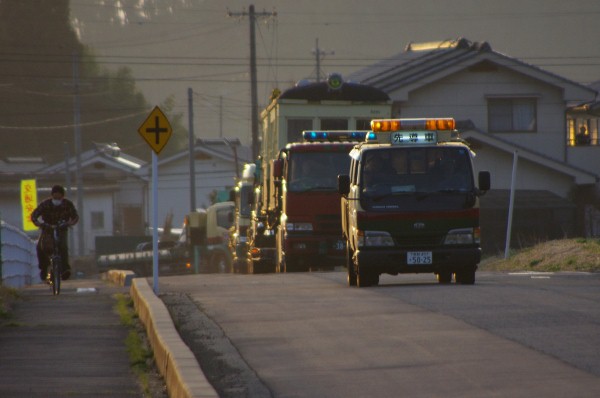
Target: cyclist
column 54, row 210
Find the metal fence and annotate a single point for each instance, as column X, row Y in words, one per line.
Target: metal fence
column 18, row 259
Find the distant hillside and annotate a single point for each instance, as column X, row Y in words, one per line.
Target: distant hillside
column 41, row 57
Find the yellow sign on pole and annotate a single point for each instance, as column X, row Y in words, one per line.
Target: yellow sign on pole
column 156, row 130
column 28, row 203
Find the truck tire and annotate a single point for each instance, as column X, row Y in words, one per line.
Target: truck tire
column 350, row 265
column 279, row 261
column 465, row 276
column 364, row 278
column 220, row 264
column 279, row 255
column 444, row 277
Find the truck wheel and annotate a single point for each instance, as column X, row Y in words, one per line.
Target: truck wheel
column 279, row 256
column 444, row 277
column 350, row 266
column 220, row 264
column 364, row 279
column 465, row 276
column 294, row 266
column 280, row 262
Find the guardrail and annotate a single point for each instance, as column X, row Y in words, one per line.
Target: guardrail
column 18, row 258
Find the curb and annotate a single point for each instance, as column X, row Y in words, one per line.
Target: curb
column 175, row 361
column 119, row 277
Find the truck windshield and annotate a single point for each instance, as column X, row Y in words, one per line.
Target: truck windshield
column 415, row 173
column 316, row 171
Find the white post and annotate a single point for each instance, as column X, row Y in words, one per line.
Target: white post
column 511, row 203
column 155, row 221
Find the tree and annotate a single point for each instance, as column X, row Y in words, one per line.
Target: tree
column 38, row 91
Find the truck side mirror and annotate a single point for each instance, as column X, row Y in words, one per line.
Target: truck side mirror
column 484, row 181
column 277, row 168
column 343, row 184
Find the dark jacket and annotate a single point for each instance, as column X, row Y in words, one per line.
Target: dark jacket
column 52, row 214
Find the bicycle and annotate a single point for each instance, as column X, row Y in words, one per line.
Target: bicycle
column 54, row 275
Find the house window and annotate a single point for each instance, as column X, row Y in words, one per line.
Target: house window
column 507, row 115
column 363, row 124
column 295, row 128
column 224, row 218
column 334, row 124
column 97, row 218
column 582, row 132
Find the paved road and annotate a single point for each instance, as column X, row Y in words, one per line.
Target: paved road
column 309, row 335
column 69, row 345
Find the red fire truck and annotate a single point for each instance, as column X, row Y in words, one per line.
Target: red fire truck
column 296, row 224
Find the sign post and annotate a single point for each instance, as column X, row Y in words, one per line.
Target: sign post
column 156, row 131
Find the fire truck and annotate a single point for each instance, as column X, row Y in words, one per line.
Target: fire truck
column 202, row 246
column 410, row 204
column 243, row 197
column 302, row 124
column 307, row 231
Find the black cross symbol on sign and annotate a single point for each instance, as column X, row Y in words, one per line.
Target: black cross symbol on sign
column 156, row 130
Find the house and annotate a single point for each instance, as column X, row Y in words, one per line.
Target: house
column 116, row 188
column 507, row 109
column 217, row 162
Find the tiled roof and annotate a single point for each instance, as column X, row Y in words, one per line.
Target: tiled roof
column 421, row 60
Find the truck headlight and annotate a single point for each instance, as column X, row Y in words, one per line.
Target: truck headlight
column 374, row 238
column 299, row 226
column 463, row 236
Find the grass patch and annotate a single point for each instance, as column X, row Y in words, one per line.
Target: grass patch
column 141, row 357
column 8, row 296
column 578, row 254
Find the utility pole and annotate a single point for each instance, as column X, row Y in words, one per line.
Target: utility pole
column 78, row 172
column 221, row 116
column 318, row 53
column 252, row 15
column 68, row 183
column 192, row 146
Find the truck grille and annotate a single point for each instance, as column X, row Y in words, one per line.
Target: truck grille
column 419, row 241
column 328, row 223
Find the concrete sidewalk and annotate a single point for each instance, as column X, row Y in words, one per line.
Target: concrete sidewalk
column 74, row 344
column 67, row 345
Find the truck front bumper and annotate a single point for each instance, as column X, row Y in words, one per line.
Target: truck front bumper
column 316, row 250
column 394, row 261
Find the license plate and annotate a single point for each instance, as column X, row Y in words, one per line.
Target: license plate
column 416, row 258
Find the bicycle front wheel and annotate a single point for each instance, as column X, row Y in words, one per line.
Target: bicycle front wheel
column 56, row 275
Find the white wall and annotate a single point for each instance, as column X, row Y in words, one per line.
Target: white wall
column 530, row 176
column 174, row 186
column 463, row 96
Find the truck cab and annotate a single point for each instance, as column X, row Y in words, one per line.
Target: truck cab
column 308, row 234
column 410, row 203
column 205, row 238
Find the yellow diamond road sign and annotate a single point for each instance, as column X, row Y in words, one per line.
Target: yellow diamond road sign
column 156, row 130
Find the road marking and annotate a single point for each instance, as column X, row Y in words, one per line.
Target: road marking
column 87, row 290
column 531, row 273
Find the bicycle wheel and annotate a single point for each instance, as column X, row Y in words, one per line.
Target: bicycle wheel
column 56, row 275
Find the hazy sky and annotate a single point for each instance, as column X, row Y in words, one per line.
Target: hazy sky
column 173, row 45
